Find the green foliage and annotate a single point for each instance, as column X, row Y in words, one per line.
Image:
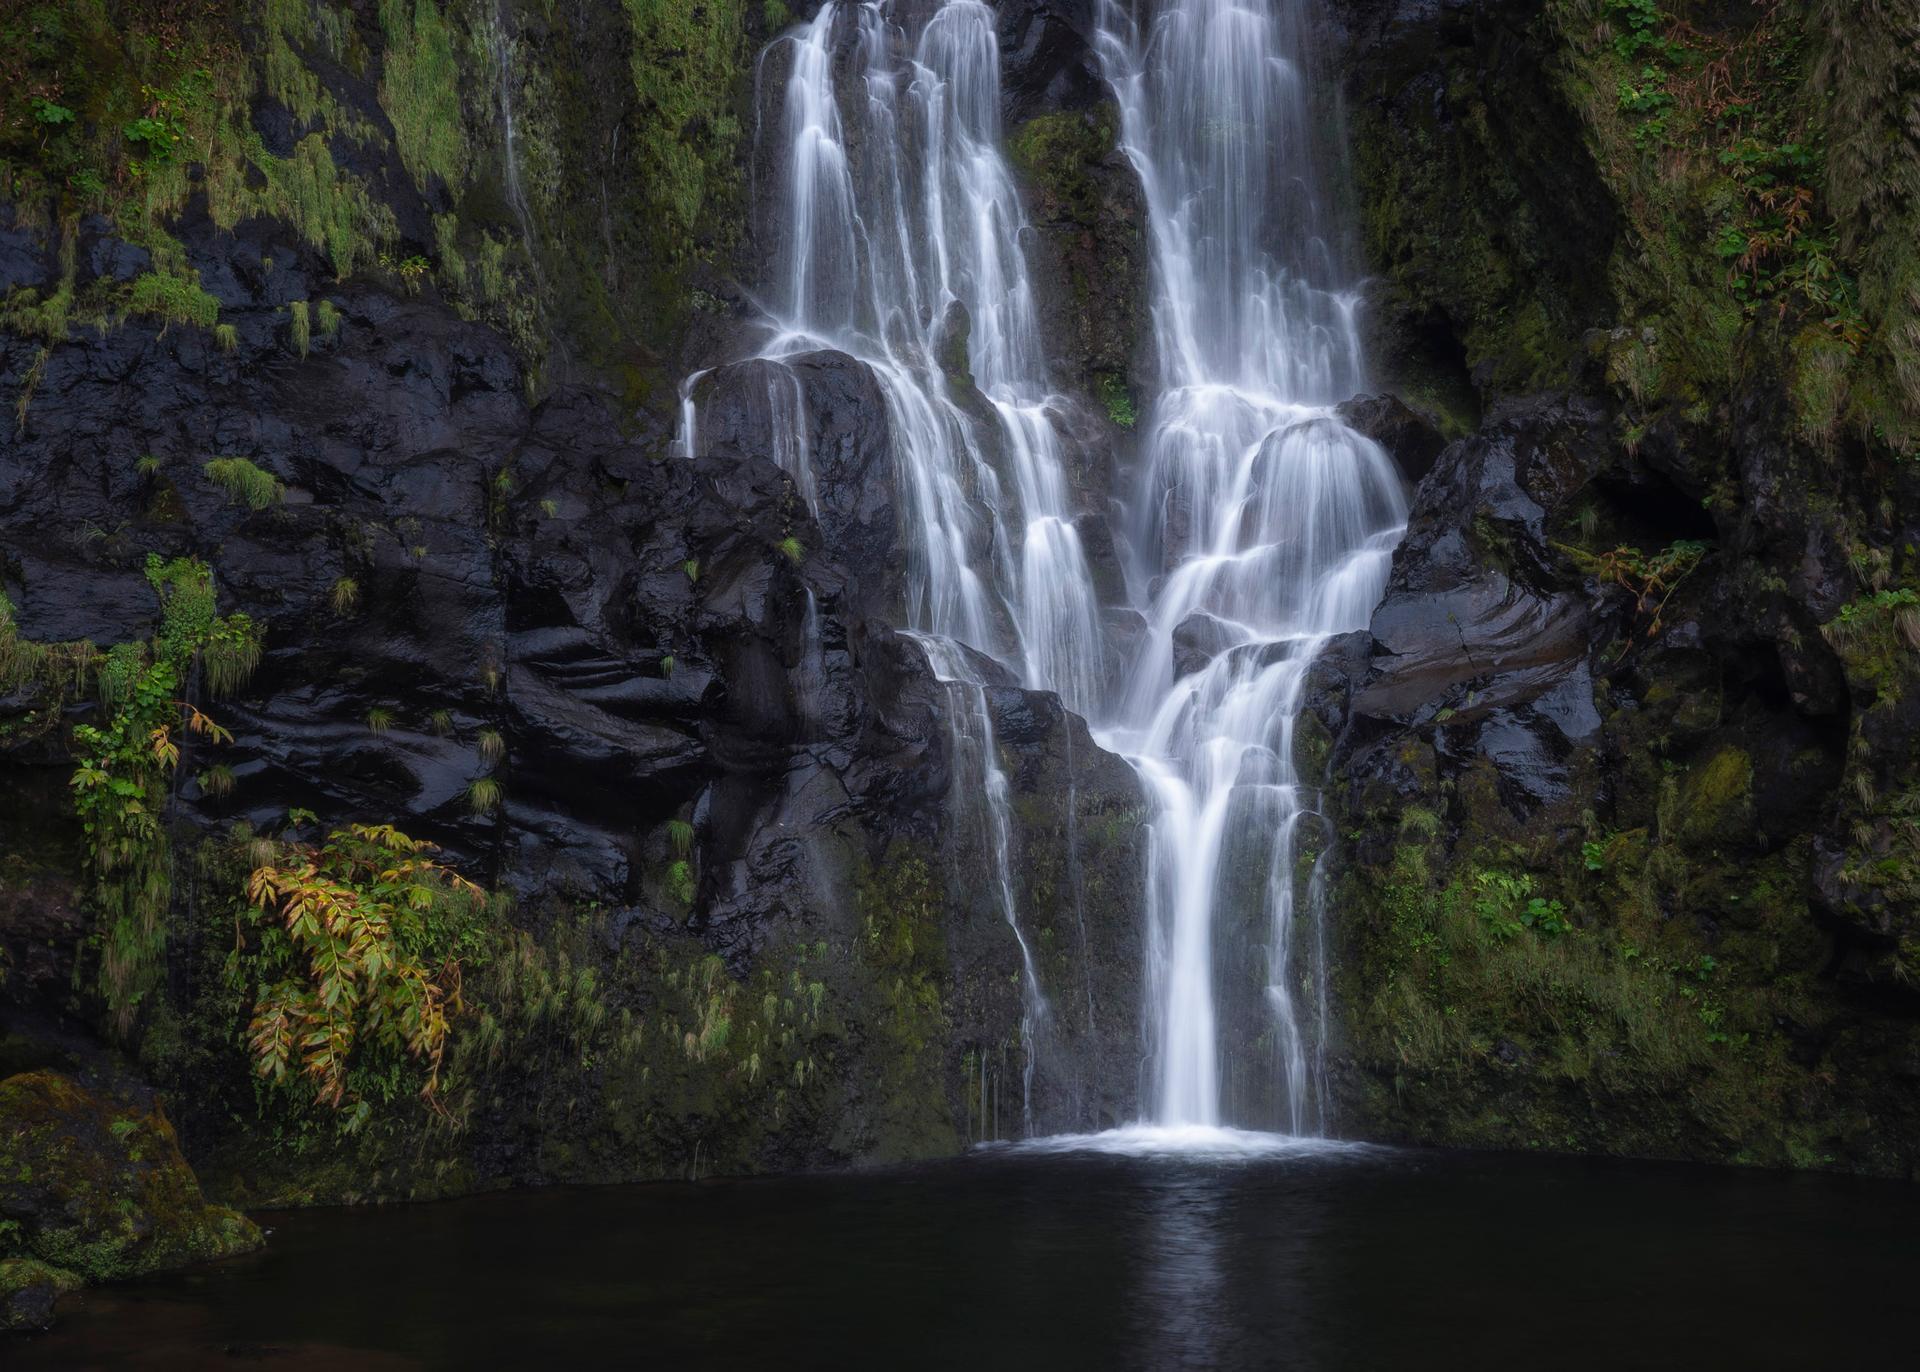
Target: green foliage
column 687, row 62
column 680, row 880
column 358, row 950
column 1640, row 30
column 420, row 90
column 245, row 483
column 345, row 595
column 1877, row 636
column 379, row 719
column 120, row 781
column 1507, row 906
column 301, row 328
column 491, row 746
column 680, row 835
column 178, row 299
column 1118, row 399
column 483, row 795
column 1652, row 578
column 789, row 547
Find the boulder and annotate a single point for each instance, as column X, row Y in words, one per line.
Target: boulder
column 28, row 1290
column 100, row 1189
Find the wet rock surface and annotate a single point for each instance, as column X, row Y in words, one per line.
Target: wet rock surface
column 1611, row 769
column 706, row 743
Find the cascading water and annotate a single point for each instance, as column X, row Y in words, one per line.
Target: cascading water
column 1261, row 522
column 902, row 238
column 900, row 243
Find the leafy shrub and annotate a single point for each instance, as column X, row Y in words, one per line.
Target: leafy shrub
column 120, row 784
column 361, row 942
column 1507, row 906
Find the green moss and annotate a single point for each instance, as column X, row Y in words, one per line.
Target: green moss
column 687, row 64
column 1055, row 154
column 100, row 1191
column 28, row 1290
column 1718, row 799
column 1118, row 399
column 420, row 91
column 904, row 955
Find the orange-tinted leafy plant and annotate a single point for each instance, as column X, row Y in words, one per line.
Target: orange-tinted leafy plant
column 362, row 939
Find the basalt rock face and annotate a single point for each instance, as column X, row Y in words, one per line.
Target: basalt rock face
column 654, row 699
column 1616, row 773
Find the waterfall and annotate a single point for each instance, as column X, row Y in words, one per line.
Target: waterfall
column 1260, row 521
column 900, row 246
column 501, row 43
column 1260, row 525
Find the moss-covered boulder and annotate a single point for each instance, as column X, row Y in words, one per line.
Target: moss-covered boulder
column 28, row 1290
column 100, row 1189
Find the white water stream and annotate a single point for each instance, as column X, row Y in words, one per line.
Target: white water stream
column 1254, row 505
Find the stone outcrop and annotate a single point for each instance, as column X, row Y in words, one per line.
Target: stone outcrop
column 95, row 1191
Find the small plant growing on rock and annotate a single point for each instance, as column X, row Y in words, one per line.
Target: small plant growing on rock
column 491, row 746
column 790, row 547
column 1118, row 401
column 1507, row 906
column 345, row 596
column 379, row 719
column 441, row 722
column 245, row 483
column 483, row 795
column 302, row 329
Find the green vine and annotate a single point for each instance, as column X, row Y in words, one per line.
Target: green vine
column 121, row 779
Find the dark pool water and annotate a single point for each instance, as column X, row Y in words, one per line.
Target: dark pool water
column 1343, row 1259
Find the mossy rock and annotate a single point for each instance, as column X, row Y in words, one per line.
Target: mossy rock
column 28, row 1290
column 1717, row 806
column 101, row 1189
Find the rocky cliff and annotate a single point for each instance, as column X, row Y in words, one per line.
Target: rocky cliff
column 1623, row 765
column 377, row 312
column 359, row 327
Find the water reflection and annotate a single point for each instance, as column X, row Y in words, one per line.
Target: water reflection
column 1041, row 1257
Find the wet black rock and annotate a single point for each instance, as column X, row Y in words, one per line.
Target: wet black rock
column 1411, row 439
column 1047, row 60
